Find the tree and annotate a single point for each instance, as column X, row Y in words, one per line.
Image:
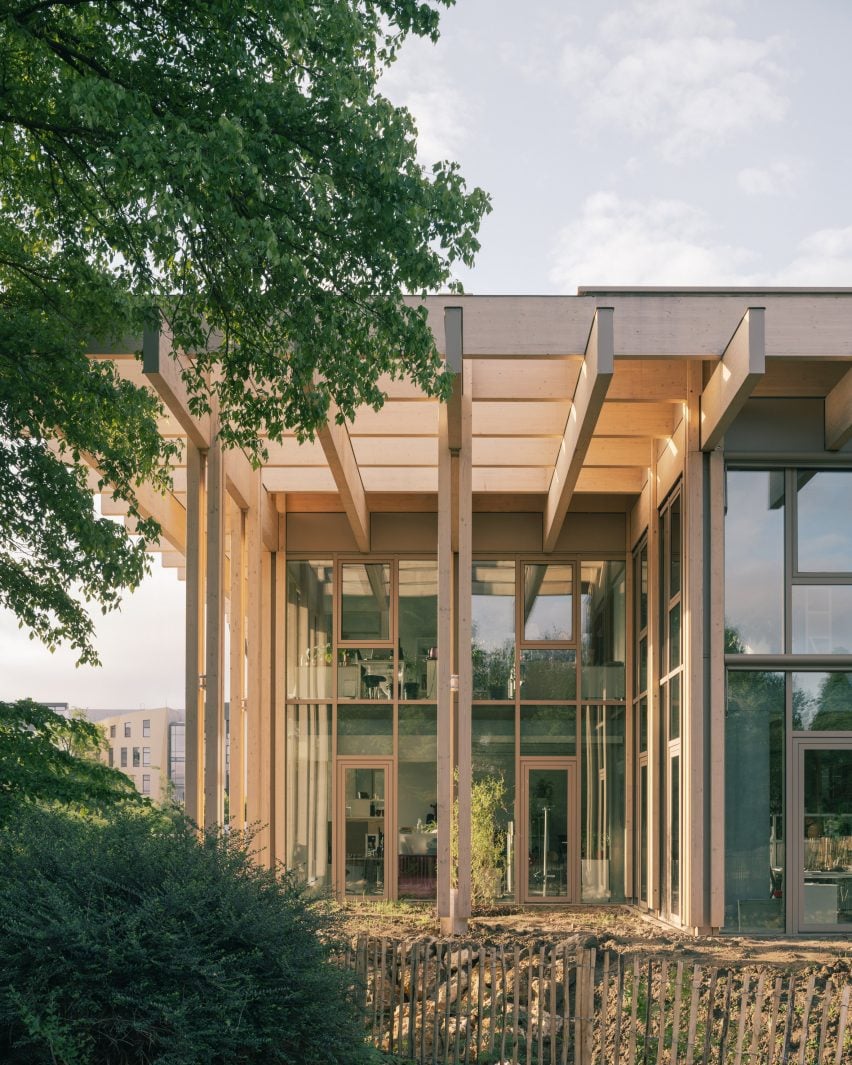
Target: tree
column 229, row 169
column 50, row 760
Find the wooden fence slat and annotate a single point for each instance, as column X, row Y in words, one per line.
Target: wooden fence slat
column 756, row 1019
column 459, row 1005
column 553, row 1026
column 676, row 1014
column 516, row 1023
column 492, row 1012
column 708, row 1024
column 649, row 997
column 788, row 1026
column 693, row 1014
column 566, row 1005
column 503, row 1003
column 403, row 951
column 604, row 1011
column 436, row 1021
column 661, row 1012
column 580, row 1008
column 738, row 1053
column 480, row 995
column 773, row 1021
column 806, row 1016
column 540, row 1003
column 412, row 998
column 619, row 1004
column 380, row 1005
column 841, row 1025
column 823, row 1027
column 448, row 1006
column 726, row 1016
column 528, row 1048
column 392, row 996
column 634, row 1005
column 589, row 1039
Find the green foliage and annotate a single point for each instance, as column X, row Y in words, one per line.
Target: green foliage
column 50, row 760
column 487, row 837
column 229, row 167
column 130, row 941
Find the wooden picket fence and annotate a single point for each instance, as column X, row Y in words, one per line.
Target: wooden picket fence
column 448, row 1003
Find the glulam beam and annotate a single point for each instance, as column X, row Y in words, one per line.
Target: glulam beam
column 742, row 365
column 161, row 369
column 335, row 442
column 589, row 396
column 838, row 414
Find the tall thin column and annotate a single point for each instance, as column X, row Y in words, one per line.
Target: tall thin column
column 194, row 674
column 214, row 623
column 237, row 794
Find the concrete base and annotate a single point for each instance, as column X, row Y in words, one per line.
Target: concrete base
column 453, row 924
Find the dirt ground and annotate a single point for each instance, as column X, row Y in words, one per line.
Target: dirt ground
column 619, row 928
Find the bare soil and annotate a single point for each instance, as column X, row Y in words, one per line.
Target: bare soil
column 618, row 928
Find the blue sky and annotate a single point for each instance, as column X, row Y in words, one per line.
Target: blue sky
column 646, row 142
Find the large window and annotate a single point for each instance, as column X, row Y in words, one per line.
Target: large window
column 671, row 687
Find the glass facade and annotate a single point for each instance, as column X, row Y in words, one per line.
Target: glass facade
column 603, row 767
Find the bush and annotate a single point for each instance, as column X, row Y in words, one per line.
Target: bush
column 130, row 940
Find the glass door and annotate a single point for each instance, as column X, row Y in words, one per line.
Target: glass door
column 823, row 818
column 365, row 836
column 549, row 819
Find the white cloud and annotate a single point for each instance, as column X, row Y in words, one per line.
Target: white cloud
column 619, row 241
column 778, row 179
column 421, row 81
column 823, row 258
column 677, row 74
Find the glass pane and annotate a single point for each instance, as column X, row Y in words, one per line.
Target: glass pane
column 364, row 831
column 547, row 833
column 603, row 629
column 674, row 637
column 754, row 782
column 642, row 587
column 673, row 689
column 309, row 629
column 643, row 833
column 602, row 786
column 417, row 802
column 825, row 521
column 642, row 665
column 493, row 761
column 418, row 629
column 822, row 702
column 674, row 538
column 493, row 642
column 365, row 607
column 822, row 619
column 364, row 729
column 548, row 602
column 365, row 673
column 548, row 674
column 754, row 562
column 643, row 725
column 308, row 795
column 674, row 835
column 548, row 730
column 827, row 843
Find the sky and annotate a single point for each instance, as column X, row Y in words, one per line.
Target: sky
column 680, row 142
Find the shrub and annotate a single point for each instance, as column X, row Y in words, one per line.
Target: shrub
column 130, row 940
column 487, row 838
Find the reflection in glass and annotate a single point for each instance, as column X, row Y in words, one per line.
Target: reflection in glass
column 827, row 838
column 674, row 539
column 364, row 831
column 673, row 692
column 643, row 725
column 642, row 586
column 602, row 788
column 674, row 834
column 822, row 619
column 493, row 760
column 548, row 602
column 307, row 803
column 822, row 702
column 674, row 637
column 309, row 629
column 365, row 603
column 365, row 673
column 417, row 802
column 364, row 729
column 824, row 502
column 754, row 562
column 643, row 832
column 642, row 665
column 548, row 674
column 547, row 833
column 493, row 638
column 603, row 629
column 549, row 731
column 754, row 783
column 418, row 629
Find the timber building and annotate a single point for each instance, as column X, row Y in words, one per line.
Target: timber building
column 606, row 588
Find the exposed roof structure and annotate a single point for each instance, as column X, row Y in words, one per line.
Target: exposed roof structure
column 571, row 395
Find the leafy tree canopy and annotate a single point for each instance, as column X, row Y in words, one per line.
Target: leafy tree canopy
column 229, row 168
column 50, row 760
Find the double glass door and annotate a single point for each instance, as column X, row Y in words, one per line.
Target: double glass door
column 822, row 800
column 549, row 816
column 365, row 840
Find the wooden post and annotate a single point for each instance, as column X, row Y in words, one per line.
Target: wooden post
column 464, row 666
column 237, row 793
column 195, row 579
column 214, row 692
column 279, row 696
column 445, row 634
column 655, row 791
column 254, row 611
column 716, row 709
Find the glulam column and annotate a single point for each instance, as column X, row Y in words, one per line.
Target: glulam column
column 194, row 672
